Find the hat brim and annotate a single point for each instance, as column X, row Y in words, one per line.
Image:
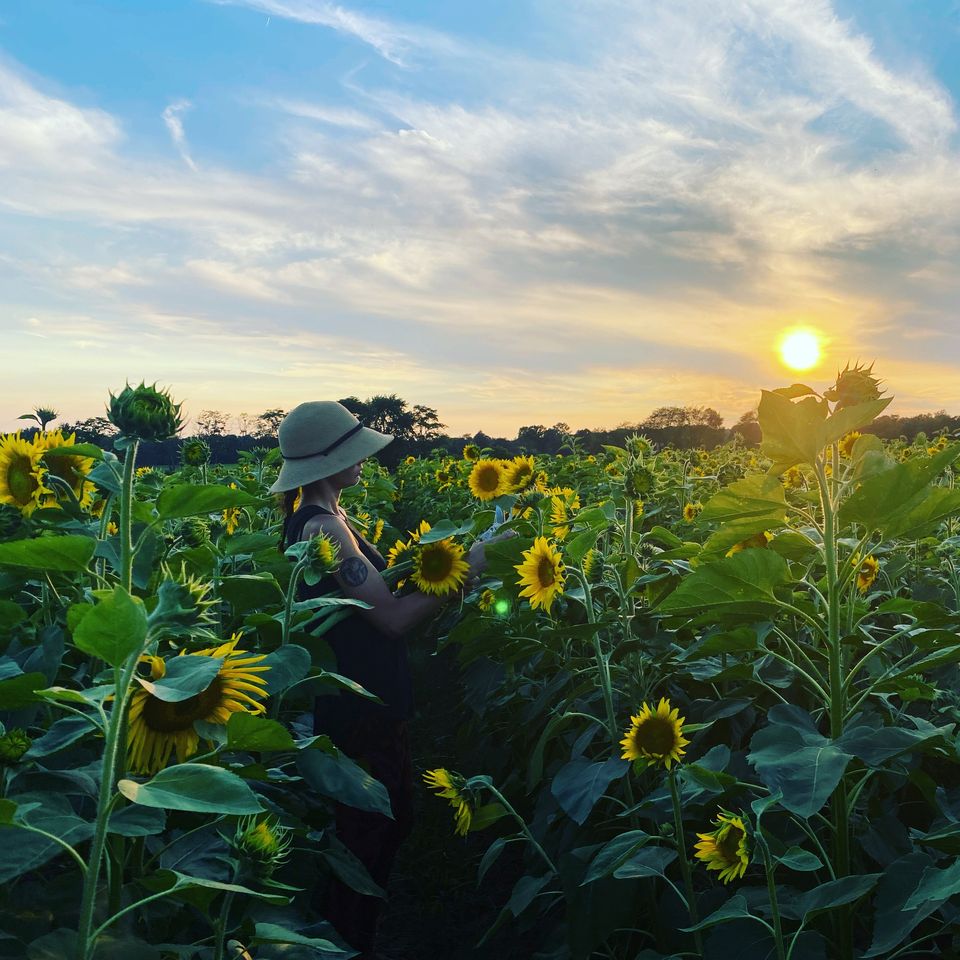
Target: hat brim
column 299, row 472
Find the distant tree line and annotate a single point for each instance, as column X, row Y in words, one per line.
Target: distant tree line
column 418, row 431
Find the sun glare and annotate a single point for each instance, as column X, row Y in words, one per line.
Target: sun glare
column 800, row 349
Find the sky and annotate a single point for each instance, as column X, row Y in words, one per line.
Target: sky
column 515, row 212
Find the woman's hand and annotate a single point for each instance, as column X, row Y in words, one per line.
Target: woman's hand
column 477, row 557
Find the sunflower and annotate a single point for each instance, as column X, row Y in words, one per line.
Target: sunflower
column 22, row 475
column 541, row 574
column 846, row 444
column 231, row 516
column 487, row 479
column 70, row 468
column 399, row 552
column 564, row 503
column 486, row 600
column 690, row 511
column 521, row 473
column 439, row 567
column 725, row 849
column 867, row 570
column 415, row 535
column 377, row 531
column 156, row 728
column 450, row 787
column 655, row 735
column 471, row 452
column 793, row 478
column 409, row 461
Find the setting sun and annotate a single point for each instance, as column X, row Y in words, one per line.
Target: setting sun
column 800, row 349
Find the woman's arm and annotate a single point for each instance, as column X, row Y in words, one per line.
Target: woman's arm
column 360, row 580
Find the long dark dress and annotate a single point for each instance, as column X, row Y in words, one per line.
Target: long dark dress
column 369, row 733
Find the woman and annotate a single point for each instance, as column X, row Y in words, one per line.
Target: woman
column 324, row 446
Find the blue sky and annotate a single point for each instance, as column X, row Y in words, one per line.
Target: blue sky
column 516, row 213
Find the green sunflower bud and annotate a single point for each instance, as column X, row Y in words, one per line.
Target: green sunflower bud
column 639, row 446
column 145, row 413
column 261, row 844
column 183, row 602
column 13, row 746
column 854, row 385
column 194, row 452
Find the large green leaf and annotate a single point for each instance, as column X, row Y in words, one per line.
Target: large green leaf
column 67, row 553
column 23, row 850
column 184, row 678
column 194, row 787
column 21, row 690
column 835, row 893
column 288, row 665
column 581, row 783
column 899, row 498
column 847, row 419
column 742, row 584
column 272, row 933
column 646, row 862
column 734, row 909
column 61, row 734
column 792, row 756
column 892, row 923
column 192, row 500
column 791, row 431
column 250, row 591
column 338, row 777
column 757, row 497
column 259, row 734
column 114, row 629
column 349, row 869
column 614, row 853
column 137, row 821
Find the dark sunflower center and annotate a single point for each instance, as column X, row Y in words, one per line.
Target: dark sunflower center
column 488, row 479
column 165, row 717
column 435, row 565
column 728, row 845
column 67, row 469
column 21, row 479
column 657, row 736
column 546, row 573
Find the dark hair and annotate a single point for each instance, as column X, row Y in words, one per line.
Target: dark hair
column 289, row 499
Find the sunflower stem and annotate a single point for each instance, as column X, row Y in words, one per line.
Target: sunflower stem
column 772, row 891
column 684, row 862
column 524, row 829
column 123, row 677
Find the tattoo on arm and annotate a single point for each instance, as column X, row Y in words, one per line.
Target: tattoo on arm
column 354, row 571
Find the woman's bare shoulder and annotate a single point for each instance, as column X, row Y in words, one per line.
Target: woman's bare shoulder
column 326, row 523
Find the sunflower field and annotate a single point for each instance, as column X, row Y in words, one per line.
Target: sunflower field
column 712, row 696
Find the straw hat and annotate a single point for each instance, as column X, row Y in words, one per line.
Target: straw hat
column 319, row 439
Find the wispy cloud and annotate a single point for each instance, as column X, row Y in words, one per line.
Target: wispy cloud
column 394, row 42
column 171, row 117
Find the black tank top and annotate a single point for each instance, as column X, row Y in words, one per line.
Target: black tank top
column 376, row 661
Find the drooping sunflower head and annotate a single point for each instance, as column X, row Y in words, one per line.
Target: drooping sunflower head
column 450, row 786
column 471, row 452
column 439, row 567
column 655, row 735
column 541, row 574
column 725, row 849
column 487, row 479
column 22, row 474
column 195, row 531
column 564, row 504
column 145, row 413
column 638, row 481
column 593, row 565
column 158, row 728
column 867, row 571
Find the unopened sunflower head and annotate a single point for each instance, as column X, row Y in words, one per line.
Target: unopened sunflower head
column 854, row 385
column 13, row 745
column 195, row 531
column 145, row 413
column 726, row 848
column 262, row 844
column 184, row 602
column 638, row 481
